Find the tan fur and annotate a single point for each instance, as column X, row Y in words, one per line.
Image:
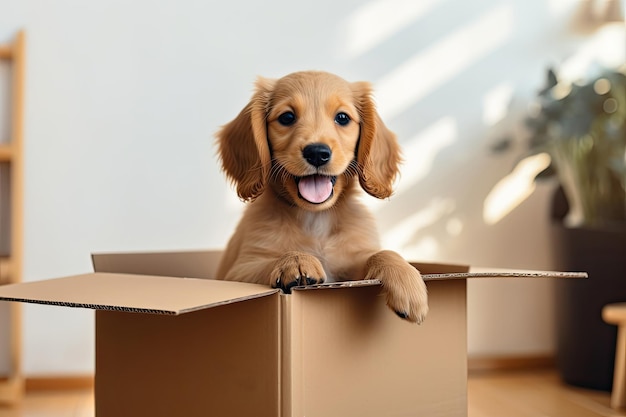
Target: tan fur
column 282, row 239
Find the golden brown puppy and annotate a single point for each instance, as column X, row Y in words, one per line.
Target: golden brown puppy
column 296, row 153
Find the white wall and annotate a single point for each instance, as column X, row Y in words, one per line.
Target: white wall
column 123, row 98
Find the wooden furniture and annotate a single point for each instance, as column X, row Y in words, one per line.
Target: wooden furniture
column 616, row 314
column 11, row 164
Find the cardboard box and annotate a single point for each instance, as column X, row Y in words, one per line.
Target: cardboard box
column 168, row 346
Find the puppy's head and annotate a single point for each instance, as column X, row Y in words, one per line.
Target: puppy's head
column 306, row 136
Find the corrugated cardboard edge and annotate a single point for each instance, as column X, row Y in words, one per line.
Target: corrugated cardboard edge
column 504, row 274
column 486, row 273
column 37, row 292
column 453, row 276
column 89, row 306
column 138, row 310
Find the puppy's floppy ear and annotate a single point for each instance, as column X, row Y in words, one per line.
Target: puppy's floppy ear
column 378, row 155
column 243, row 146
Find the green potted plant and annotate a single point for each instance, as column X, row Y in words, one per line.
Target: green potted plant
column 582, row 127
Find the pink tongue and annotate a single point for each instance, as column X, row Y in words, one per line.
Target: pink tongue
column 315, row 188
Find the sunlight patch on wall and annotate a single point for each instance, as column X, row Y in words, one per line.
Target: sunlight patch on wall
column 512, row 190
column 420, row 152
column 496, row 103
column 425, row 249
column 419, row 155
column 379, row 20
column 607, row 47
column 401, row 237
column 559, row 7
column 454, row 226
column 443, row 60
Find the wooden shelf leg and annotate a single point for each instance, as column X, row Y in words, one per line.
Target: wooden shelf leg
column 618, row 395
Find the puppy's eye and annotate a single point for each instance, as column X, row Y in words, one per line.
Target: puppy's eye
column 287, row 118
column 342, row 119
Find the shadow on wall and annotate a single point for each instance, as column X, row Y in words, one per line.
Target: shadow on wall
column 453, row 77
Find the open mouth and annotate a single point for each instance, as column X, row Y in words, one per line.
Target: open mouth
column 316, row 188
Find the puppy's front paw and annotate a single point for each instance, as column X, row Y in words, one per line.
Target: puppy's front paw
column 403, row 285
column 294, row 269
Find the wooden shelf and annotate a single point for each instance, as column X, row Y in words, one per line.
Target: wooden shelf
column 5, row 270
column 10, row 389
column 12, row 385
column 5, row 152
column 6, row 52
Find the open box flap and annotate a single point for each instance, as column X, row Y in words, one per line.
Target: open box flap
column 473, row 273
column 117, row 285
column 134, row 293
column 202, row 264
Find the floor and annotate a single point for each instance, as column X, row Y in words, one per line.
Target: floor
column 533, row 394
column 512, row 394
column 53, row 404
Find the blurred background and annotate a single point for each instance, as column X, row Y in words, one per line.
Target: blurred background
column 122, row 99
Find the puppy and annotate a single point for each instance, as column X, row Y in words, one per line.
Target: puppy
column 297, row 153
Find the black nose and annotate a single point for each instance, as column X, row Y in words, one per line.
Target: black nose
column 317, row 154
